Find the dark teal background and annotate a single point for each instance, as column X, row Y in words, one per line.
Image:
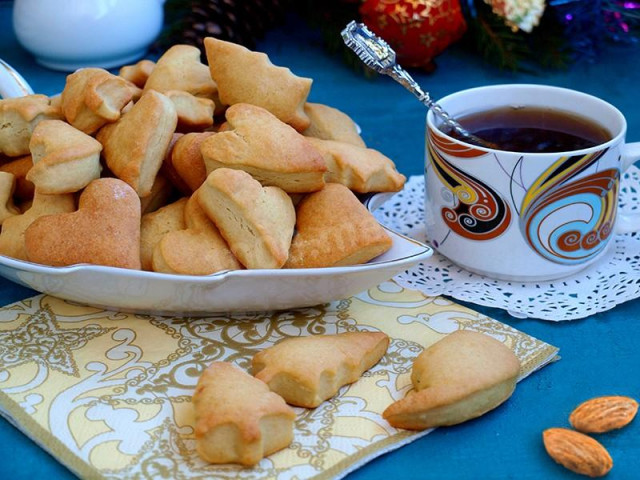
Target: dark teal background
column 599, row 354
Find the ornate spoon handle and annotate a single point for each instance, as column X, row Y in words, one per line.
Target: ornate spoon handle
column 378, row 55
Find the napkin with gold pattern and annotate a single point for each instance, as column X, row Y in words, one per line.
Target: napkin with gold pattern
column 109, row 394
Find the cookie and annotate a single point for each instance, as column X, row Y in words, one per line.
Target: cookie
column 93, row 97
column 460, row 377
column 363, row 170
column 329, row 123
column 257, row 222
column 12, row 242
column 105, row 230
column 180, row 68
column 199, row 249
column 186, row 159
column 135, row 146
column 271, row 151
column 18, row 117
column 7, row 186
column 138, row 73
column 155, row 225
column 65, row 160
column 244, row 76
column 19, row 167
column 194, row 113
column 306, row 371
column 238, row 419
column 334, row 229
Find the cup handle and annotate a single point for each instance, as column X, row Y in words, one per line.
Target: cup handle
column 11, row 82
column 627, row 223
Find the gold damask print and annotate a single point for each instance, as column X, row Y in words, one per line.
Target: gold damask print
column 40, row 339
column 127, row 412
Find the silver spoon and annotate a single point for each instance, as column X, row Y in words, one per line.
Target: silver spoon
column 379, row 56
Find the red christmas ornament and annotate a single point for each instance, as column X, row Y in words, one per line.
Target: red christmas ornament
column 418, row 30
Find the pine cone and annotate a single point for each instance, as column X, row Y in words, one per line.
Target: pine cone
column 242, row 22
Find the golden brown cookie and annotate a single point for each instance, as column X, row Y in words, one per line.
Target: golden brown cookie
column 271, row 151
column 244, row 76
column 138, row 73
column 93, row 97
column 460, row 377
column 238, row 420
column 186, row 159
column 65, row 160
column 157, row 224
column 18, row 117
column 194, row 113
column 363, row 170
column 306, row 371
column 105, row 230
column 257, row 222
column 135, row 146
column 334, row 229
column 329, row 123
column 180, row 68
column 7, row 186
column 13, row 228
column 19, row 168
column 161, row 191
column 199, row 249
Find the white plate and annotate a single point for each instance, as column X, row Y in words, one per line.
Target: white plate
column 229, row 291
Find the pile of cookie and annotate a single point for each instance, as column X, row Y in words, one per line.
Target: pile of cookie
column 178, row 166
column 241, row 417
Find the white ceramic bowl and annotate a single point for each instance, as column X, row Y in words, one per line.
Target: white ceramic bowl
column 71, row 34
column 229, row 291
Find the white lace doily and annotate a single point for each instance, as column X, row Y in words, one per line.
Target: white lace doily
column 614, row 279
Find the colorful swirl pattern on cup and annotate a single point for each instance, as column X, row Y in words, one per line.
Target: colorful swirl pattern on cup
column 594, row 195
column 479, row 213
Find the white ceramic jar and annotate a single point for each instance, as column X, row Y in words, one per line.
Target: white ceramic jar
column 70, row 34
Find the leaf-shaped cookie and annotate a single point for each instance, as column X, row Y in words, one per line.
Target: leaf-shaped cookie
column 244, row 76
column 238, row 419
column 458, row 378
column 306, row 371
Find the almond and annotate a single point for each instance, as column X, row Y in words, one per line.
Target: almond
column 577, row 452
column 602, row 414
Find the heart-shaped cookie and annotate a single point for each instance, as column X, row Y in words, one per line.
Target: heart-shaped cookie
column 458, row 378
column 13, row 228
column 197, row 250
column 105, row 230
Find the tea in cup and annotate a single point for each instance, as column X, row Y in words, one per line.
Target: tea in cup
column 542, row 201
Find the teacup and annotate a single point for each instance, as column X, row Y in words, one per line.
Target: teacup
column 525, row 216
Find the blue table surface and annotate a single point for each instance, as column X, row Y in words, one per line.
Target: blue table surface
column 600, row 353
